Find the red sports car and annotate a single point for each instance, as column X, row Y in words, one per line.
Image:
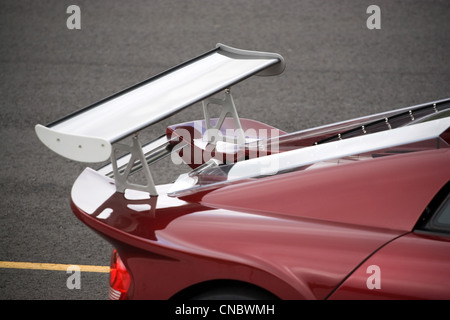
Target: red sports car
column 358, row 209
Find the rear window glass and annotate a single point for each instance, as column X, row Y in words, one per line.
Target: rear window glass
column 443, row 216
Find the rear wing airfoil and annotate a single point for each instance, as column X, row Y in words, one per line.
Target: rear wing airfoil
column 88, row 135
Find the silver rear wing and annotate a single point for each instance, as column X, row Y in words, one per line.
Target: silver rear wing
column 91, row 134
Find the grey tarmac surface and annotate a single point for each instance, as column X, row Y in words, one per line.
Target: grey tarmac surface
column 337, row 69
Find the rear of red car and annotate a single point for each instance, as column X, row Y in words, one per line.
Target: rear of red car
column 353, row 209
column 310, row 232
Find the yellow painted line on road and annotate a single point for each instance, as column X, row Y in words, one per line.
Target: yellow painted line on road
column 51, row 266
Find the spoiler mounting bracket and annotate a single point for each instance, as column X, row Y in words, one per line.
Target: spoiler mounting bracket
column 228, row 108
column 121, row 178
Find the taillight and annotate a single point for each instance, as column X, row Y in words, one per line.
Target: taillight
column 119, row 278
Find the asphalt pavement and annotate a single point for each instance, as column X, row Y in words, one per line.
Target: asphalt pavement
column 336, row 69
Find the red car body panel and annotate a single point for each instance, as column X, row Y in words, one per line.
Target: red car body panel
column 388, row 192
column 291, row 250
column 414, row 266
column 221, row 244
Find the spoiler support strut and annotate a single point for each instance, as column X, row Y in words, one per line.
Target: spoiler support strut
column 228, row 108
column 136, row 154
